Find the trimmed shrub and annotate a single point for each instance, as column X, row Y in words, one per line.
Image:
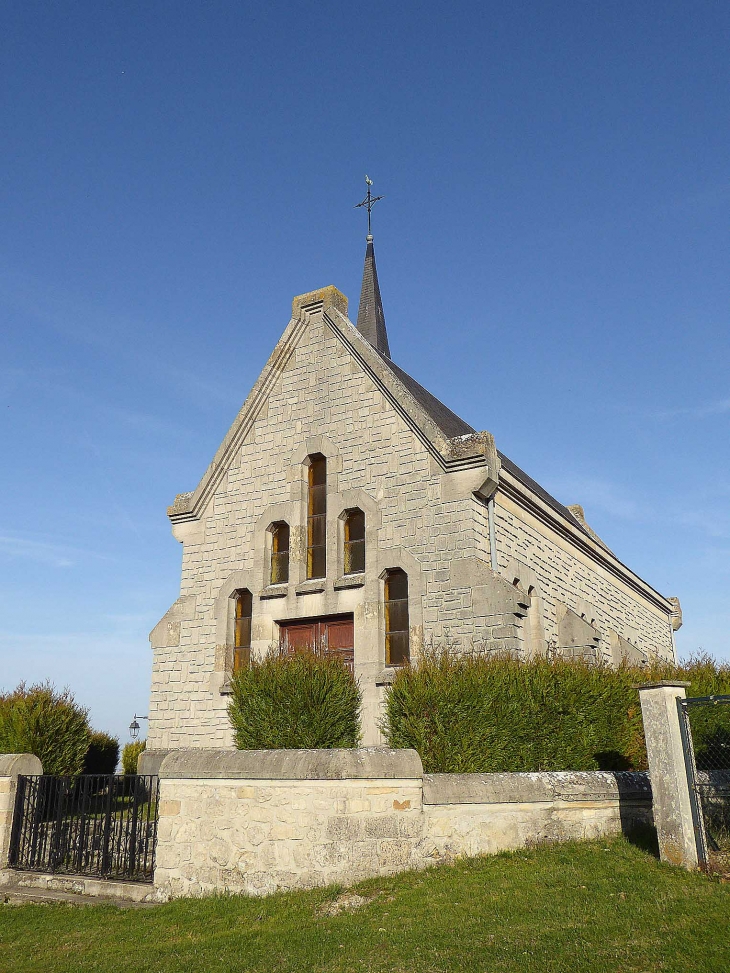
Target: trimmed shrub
column 301, row 701
column 49, row 724
column 481, row 714
column 130, row 755
column 102, row 756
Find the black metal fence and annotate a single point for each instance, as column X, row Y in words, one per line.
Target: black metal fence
column 706, row 731
column 99, row 825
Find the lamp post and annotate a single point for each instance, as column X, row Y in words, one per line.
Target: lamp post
column 134, row 726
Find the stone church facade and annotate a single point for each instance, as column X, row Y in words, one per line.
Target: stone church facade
column 348, row 508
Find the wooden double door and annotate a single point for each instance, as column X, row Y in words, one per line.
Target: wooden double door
column 333, row 634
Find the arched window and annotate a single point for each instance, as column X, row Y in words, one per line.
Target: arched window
column 242, row 630
column 279, row 553
column 397, row 651
column 354, row 542
column 317, row 517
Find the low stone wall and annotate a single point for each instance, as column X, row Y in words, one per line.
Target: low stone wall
column 260, row 821
column 474, row 814
column 11, row 765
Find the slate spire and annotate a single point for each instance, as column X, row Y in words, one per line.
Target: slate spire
column 370, row 316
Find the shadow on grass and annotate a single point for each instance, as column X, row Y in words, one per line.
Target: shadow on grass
column 644, row 837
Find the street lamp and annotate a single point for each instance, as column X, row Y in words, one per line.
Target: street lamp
column 134, row 726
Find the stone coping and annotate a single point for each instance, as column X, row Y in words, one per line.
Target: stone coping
column 149, row 761
column 12, row 764
column 671, row 683
column 596, row 785
column 340, row 764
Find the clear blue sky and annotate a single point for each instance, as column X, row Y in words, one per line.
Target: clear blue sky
column 552, row 250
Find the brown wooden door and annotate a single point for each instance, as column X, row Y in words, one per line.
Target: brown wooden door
column 339, row 639
column 330, row 635
column 298, row 636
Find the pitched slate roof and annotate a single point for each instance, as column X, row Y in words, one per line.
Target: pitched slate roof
column 452, row 426
column 448, row 422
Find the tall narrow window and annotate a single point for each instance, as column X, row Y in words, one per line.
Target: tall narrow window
column 397, row 650
column 242, row 632
column 279, row 553
column 317, row 518
column 354, row 542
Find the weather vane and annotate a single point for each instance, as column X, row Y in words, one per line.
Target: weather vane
column 369, row 201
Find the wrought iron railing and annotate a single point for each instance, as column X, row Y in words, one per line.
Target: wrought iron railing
column 100, row 825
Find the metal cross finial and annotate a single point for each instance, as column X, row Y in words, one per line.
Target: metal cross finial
column 369, row 201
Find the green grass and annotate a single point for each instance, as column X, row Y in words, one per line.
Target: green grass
column 575, row 907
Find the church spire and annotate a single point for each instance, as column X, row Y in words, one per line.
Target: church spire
column 370, row 316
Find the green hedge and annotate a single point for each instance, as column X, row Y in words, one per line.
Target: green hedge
column 130, row 755
column 302, row 701
column 479, row 714
column 49, row 724
column 102, row 756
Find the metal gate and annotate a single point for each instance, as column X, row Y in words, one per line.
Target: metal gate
column 705, row 723
column 101, row 825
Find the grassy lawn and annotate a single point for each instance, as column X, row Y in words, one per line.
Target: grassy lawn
column 601, row 906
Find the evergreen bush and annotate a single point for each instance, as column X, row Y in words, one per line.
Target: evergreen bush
column 49, row 724
column 102, row 756
column 130, row 755
column 486, row 714
column 303, row 701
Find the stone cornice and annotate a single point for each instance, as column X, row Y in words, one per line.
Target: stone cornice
column 510, row 486
column 188, row 506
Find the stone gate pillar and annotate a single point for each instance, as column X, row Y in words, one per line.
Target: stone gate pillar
column 670, row 788
column 11, row 765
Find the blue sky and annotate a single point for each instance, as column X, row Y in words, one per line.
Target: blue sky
column 552, row 252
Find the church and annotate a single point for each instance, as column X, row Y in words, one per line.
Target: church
column 349, row 509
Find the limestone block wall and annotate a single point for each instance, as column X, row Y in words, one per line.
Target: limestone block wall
column 430, row 521
column 258, row 822
column 565, row 576
column 11, row 765
column 321, row 401
column 475, row 814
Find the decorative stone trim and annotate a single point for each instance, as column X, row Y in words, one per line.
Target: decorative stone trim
column 311, row 587
column 349, row 581
column 386, row 677
column 274, row 591
column 191, row 506
column 341, row 764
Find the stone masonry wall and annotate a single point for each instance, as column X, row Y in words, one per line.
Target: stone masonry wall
column 321, row 400
column 321, row 390
column 263, row 835
column 476, row 814
column 322, row 817
column 566, row 576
